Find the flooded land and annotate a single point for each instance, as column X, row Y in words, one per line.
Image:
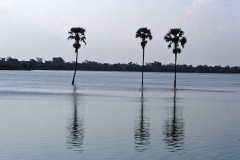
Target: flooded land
column 107, row 115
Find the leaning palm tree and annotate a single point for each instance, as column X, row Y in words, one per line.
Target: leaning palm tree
column 175, row 36
column 78, row 34
column 144, row 34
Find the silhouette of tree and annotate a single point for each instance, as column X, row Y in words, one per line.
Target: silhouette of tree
column 144, row 34
column 78, row 34
column 38, row 59
column 175, row 36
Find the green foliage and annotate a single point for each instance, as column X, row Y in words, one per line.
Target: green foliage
column 57, row 63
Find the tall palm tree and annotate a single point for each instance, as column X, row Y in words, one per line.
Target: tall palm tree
column 78, row 34
column 175, row 36
column 144, row 34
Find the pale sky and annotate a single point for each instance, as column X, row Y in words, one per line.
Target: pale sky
column 39, row 28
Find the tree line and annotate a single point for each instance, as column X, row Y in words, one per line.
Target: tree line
column 57, row 63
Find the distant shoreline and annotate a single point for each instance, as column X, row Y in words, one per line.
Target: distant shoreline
column 116, row 71
column 58, row 64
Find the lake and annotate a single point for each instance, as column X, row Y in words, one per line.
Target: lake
column 107, row 115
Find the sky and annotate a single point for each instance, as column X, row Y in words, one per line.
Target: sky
column 39, row 28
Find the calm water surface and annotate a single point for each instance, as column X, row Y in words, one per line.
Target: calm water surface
column 108, row 116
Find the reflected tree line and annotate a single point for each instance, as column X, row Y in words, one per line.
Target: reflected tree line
column 57, row 63
column 173, row 127
column 142, row 129
column 75, row 136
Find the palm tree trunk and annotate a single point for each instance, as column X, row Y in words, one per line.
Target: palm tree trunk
column 175, row 70
column 142, row 66
column 75, row 68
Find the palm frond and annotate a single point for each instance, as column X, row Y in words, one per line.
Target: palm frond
column 174, row 51
column 150, row 36
column 170, row 45
column 143, row 43
column 167, row 38
column 78, row 30
column 179, row 50
column 76, row 45
column 83, row 39
column 71, row 37
column 181, row 33
column 183, row 41
column 174, row 31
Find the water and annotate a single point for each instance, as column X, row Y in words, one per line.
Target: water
column 108, row 116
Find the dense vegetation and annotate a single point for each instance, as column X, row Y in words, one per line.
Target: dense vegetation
column 58, row 63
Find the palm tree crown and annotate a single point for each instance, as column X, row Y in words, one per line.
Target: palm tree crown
column 175, row 36
column 78, row 34
column 144, row 34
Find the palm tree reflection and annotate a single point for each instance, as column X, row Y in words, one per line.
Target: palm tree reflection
column 174, row 129
column 75, row 126
column 142, row 130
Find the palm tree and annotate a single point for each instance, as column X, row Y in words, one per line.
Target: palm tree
column 144, row 34
column 78, row 34
column 175, row 36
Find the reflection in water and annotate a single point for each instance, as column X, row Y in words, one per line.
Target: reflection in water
column 142, row 130
column 174, row 129
column 75, row 126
